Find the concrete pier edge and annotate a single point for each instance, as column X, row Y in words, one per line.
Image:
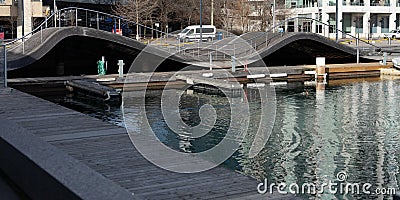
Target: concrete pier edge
column 43, row 171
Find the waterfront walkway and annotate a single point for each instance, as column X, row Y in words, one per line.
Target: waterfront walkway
column 107, row 150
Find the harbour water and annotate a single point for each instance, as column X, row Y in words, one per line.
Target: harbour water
column 350, row 129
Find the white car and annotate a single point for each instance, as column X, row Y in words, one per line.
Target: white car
column 393, row 34
column 192, row 33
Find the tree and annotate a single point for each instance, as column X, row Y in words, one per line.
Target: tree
column 135, row 10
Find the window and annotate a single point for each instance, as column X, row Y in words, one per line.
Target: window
column 384, row 22
column 373, row 22
column 358, row 20
column 332, row 23
column 205, row 30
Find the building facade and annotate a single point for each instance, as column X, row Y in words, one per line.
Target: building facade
column 14, row 13
column 364, row 18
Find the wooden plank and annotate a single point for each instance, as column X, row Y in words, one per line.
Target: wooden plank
column 108, row 150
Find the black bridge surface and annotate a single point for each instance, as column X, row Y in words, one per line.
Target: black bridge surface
column 75, row 51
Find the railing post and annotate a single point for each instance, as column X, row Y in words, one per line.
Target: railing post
column 210, row 61
column 46, row 22
column 86, row 19
column 234, row 50
column 23, row 44
column 76, row 16
column 41, row 34
column 358, row 55
column 97, row 20
column 55, row 20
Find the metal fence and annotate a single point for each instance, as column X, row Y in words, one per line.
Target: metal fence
column 243, row 46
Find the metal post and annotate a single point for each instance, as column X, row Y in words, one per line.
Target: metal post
column 97, row 20
column 23, row 44
column 137, row 20
column 273, row 17
column 86, row 19
column 337, row 20
column 179, row 46
column 233, row 62
column 45, row 21
column 201, row 20
column 212, row 12
column 76, row 16
column 41, row 34
column 234, row 50
column 5, row 65
column 210, row 61
column 358, row 55
column 23, row 18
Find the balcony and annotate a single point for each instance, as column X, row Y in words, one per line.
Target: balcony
column 353, row 3
column 379, row 3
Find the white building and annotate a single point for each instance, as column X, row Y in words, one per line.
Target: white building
column 368, row 18
column 11, row 15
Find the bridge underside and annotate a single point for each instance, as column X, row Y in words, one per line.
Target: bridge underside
column 304, row 52
column 77, row 55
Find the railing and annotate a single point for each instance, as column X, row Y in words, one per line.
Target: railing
column 73, row 16
column 239, row 48
column 242, row 48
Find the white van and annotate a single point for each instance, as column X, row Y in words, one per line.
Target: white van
column 192, row 33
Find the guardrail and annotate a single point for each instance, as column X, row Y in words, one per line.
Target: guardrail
column 243, row 46
column 221, row 50
column 74, row 16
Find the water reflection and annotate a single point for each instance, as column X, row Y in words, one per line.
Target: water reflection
column 350, row 128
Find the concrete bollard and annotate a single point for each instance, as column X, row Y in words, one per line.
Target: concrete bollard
column 120, row 68
column 321, row 69
column 384, row 59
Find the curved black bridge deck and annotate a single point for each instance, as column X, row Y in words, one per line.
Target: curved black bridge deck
column 75, row 51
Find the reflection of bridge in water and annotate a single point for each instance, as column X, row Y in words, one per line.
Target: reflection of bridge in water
column 74, row 49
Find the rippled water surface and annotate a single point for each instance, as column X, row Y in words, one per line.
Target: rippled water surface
column 351, row 128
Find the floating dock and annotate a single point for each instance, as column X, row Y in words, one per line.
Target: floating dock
column 221, row 78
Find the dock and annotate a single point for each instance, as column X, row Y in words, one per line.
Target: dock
column 220, row 77
column 52, row 152
column 92, row 87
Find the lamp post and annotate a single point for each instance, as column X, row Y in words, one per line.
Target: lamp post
column 212, row 12
column 23, row 18
column 137, row 20
column 273, row 17
column 337, row 20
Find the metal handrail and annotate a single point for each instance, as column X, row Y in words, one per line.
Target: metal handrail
column 59, row 12
column 314, row 20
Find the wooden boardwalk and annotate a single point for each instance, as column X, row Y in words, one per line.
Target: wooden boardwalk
column 108, row 150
